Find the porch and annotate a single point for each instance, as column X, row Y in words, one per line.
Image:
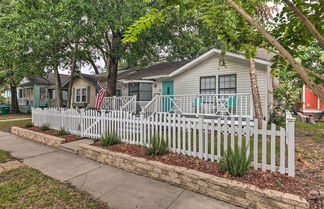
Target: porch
column 219, row 105
column 233, row 105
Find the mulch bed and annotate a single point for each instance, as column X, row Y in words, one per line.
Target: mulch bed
column 269, row 180
column 68, row 138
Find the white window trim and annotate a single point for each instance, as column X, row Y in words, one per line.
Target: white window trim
column 81, row 94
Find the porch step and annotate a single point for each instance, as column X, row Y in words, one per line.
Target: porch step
column 72, row 147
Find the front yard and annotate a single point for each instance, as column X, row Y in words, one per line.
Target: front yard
column 25, row 187
column 6, row 125
column 14, row 116
column 309, row 160
column 310, row 154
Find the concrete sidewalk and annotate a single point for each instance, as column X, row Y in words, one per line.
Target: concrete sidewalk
column 118, row 188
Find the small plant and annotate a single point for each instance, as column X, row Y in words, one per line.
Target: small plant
column 236, row 163
column 109, row 139
column 278, row 183
column 45, row 127
column 29, row 124
column 157, row 147
column 62, row 132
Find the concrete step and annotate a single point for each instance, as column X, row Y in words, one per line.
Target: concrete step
column 72, row 147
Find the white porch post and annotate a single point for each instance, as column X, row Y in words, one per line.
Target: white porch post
column 251, row 106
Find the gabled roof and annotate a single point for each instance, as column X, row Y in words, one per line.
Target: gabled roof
column 175, row 68
column 91, row 78
column 155, row 70
column 48, row 79
column 211, row 53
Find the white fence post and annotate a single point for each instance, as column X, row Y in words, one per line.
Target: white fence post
column 290, row 130
column 141, row 133
column 200, row 134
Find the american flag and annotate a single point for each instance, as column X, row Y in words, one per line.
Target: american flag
column 99, row 98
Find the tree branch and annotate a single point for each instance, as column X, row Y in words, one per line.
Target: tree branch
column 283, row 51
column 306, row 22
column 315, row 74
column 93, row 64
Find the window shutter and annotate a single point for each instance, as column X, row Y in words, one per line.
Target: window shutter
column 73, row 98
column 88, row 94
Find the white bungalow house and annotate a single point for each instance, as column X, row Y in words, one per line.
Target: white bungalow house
column 196, row 87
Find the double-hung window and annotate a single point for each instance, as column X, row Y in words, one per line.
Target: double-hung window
column 208, row 85
column 227, row 84
column 142, row 91
column 51, row 94
column 81, row 95
column 20, row 93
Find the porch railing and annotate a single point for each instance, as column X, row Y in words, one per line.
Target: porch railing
column 123, row 103
column 22, row 101
column 222, row 105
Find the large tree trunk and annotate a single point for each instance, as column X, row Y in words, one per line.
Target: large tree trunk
column 272, row 40
column 14, row 100
column 113, row 64
column 72, row 76
column 112, row 76
column 58, row 87
column 255, row 92
column 306, row 22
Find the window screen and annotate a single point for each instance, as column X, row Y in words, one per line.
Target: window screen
column 142, row 91
column 208, row 85
column 227, row 84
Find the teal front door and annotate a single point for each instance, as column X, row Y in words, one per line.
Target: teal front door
column 167, row 99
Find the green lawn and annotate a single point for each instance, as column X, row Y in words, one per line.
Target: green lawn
column 315, row 131
column 26, row 187
column 6, row 125
column 5, row 156
column 317, row 126
column 14, row 116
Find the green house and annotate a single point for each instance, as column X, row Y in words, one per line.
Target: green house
column 39, row 92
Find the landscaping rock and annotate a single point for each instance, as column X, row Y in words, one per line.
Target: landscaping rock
column 37, row 136
column 313, row 194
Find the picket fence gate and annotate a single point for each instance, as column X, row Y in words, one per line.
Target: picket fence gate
column 270, row 148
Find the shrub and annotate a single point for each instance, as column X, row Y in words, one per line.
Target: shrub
column 29, row 124
column 62, row 132
column 236, row 163
column 157, row 146
column 44, row 127
column 109, row 139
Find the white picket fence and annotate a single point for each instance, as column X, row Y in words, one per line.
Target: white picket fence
column 270, row 149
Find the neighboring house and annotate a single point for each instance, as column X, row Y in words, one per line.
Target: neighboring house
column 6, row 97
column 84, row 90
column 39, row 92
column 182, row 81
column 311, row 103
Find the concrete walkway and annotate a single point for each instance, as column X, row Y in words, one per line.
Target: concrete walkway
column 118, row 188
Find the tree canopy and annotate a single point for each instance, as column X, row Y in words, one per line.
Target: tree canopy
column 224, row 16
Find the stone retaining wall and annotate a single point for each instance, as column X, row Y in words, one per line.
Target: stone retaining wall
column 37, row 136
column 233, row 192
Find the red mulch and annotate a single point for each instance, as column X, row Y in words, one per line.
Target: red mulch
column 269, row 180
column 68, row 138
